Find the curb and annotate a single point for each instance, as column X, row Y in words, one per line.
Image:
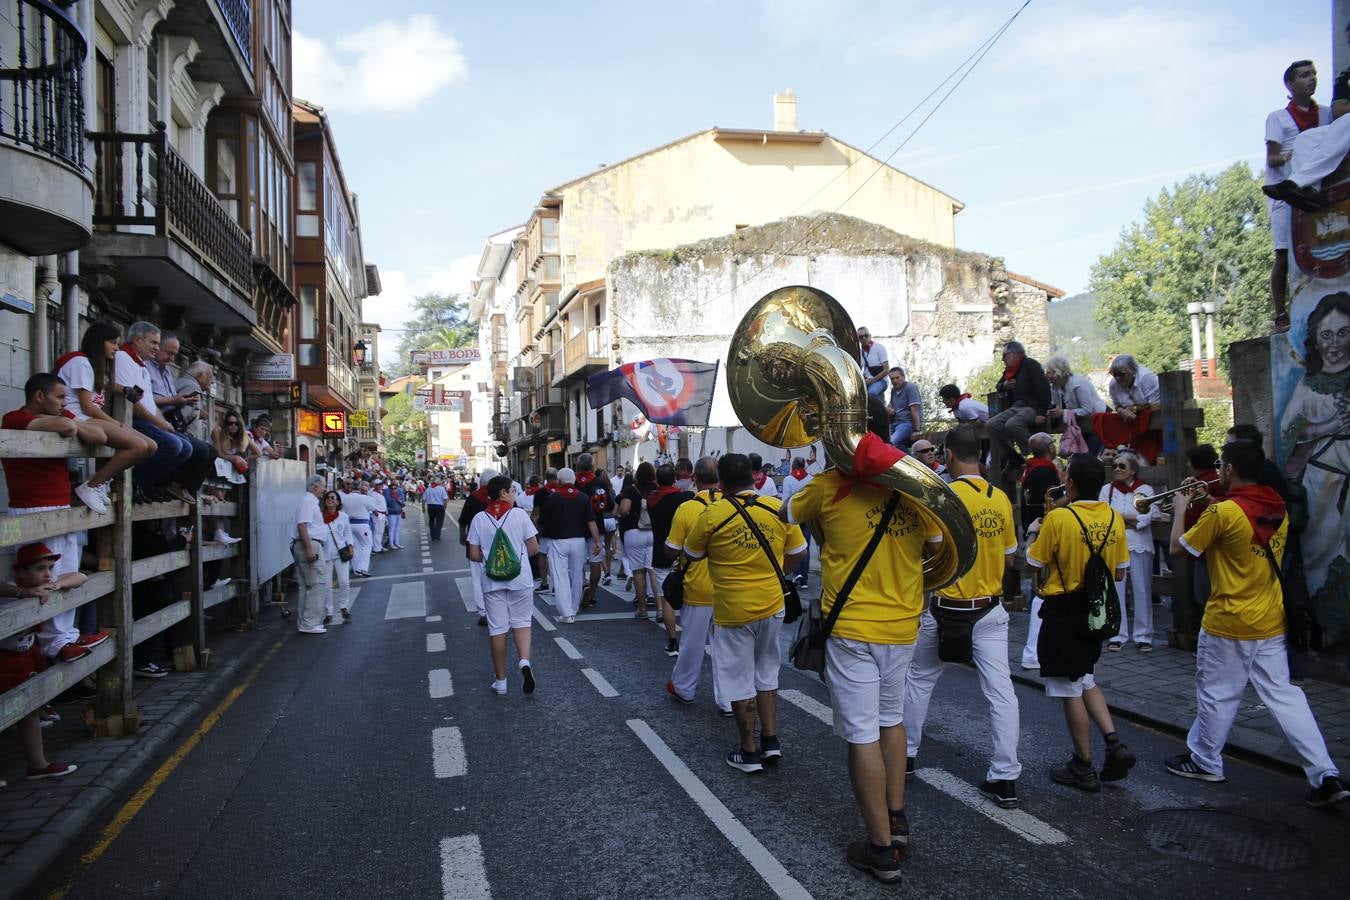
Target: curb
column 26, row 864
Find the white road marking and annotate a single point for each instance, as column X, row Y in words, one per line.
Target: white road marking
column 436, row 643
column 544, row 621
column 426, row 570
column 447, row 752
column 608, row 617
column 808, row 704
column 463, row 875
column 439, row 684
column 604, row 687
column 1022, row 824
column 433, row 618
column 567, row 648
column 407, row 599
column 405, row 576
column 755, row 853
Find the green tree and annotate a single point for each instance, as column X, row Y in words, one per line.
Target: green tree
column 1208, row 238
column 440, row 322
column 405, row 431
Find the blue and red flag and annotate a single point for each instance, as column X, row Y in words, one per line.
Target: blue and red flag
column 668, row 391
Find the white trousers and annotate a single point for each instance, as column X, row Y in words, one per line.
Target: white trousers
column 362, row 540
column 314, row 587
column 1030, row 657
column 566, row 570
column 1318, row 151
column 695, row 626
column 1223, row 666
column 990, row 640
column 476, row 575
column 1140, row 578
column 341, row 596
column 379, row 523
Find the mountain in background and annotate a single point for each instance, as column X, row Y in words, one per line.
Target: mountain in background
column 1076, row 334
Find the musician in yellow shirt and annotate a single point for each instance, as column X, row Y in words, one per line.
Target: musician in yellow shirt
column 1242, row 540
column 971, row 606
column 697, row 613
column 747, row 603
column 1067, row 658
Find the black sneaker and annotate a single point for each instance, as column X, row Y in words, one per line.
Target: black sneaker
column 884, row 866
column 770, row 750
column 1331, row 791
column 150, row 670
column 482, row 620
column 1075, row 773
column 1183, row 766
column 328, row 620
column 527, row 674
column 909, row 768
column 1118, row 763
column 672, row 647
column 745, row 762
column 1145, row 647
column 900, row 828
column 1004, row 793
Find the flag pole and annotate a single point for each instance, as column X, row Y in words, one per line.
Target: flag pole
column 703, row 435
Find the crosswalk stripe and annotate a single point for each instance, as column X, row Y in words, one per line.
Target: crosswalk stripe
column 435, row 643
column 463, row 874
column 407, row 600
column 465, row 586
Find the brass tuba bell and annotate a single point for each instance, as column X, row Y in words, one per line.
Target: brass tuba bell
column 793, row 378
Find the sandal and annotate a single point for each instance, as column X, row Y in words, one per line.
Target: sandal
column 1280, row 323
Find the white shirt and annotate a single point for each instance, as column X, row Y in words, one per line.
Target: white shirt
column 792, row 484
column 971, row 410
column 768, row 489
column 375, row 500
column 1280, row 128
column 436, row 495
column 518, row 528
column 308, row 513
column 1143, row 392
column 872, row 357
column 78, row 374
column 1078, row 396
column 525, row 501
column 356, row 506
column 1139, row 536
column 128, row 373
column 335, row 534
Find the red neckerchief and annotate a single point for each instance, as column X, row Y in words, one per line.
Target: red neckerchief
column 759, row 478
column 659, row 494
column 1216, row 491
column 1304, row 118
column 131, row 351
column 799, row 474
column 962, row 397
column 499, row 508
column 56, row 366
column 1036, row 462
column 871, row 457
column 1011, row 371
column 531, row 491
column 1130, row 488
column 329, row 517
column 1263, row 508
column 553, row 488
column 585, row 478
column 566, row 490
column 481, row 496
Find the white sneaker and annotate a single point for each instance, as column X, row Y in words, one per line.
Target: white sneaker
column 220, row 583
column 499, row 687
column 96, row 498
column 317, row 629
column 223, row 538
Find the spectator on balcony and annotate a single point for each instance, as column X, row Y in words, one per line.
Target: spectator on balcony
column 198, row 379
column 177, row 460
column 1133, row 387
column 1074, row 395
column 1024, row 394
column 963, row 407
column 905, row 408
column 261, row 432
column 87, row 373
column 43, row 485
column 21, row 656
column 875, row 363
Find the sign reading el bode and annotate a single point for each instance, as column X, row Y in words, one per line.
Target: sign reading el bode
column 446, row 357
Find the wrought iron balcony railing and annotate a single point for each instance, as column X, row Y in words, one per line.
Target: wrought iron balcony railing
column 42, row 80
column 239, row 17
column 142, row 181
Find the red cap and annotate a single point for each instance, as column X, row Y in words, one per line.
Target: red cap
column 31, row 553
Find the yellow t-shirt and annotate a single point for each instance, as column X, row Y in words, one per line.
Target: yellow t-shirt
column 697, row 581
column 995, row 538
column 1245, row 599
column 885, row 604
column 745, row 585
column 1061, row 548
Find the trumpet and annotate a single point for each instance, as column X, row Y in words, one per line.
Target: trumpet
column 1197, row 490
column 1054, row 495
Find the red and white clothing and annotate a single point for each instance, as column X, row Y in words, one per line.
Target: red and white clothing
column 78, row 374
column 1139, row 540
column 1283, row 130
column 130, row 371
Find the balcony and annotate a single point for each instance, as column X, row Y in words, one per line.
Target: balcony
column 368, row 371
column 45, row 195
column 223, row 32
column 587, row 352
column 342, row 378
column 167, row 232
column 366, row 435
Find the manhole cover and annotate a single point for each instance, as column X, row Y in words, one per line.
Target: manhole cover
column 1223, row 839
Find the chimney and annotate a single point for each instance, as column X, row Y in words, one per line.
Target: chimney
column 785, row 111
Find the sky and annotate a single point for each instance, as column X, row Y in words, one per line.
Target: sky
column 453, row 118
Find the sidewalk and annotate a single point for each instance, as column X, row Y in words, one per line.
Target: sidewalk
column 39, row 819
column 1158, row 689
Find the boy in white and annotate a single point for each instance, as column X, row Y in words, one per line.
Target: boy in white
column 379, row 512
column 357, row 507
column 509, row 604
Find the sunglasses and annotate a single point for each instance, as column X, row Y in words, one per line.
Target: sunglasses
column 1121, row 466
column 927, row 450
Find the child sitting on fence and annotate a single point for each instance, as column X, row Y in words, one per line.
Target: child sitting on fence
column 20, row 656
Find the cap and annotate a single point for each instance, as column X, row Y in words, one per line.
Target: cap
column 31, row 553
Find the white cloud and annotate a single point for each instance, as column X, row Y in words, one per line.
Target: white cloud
column 394, row 306
column 386, row 67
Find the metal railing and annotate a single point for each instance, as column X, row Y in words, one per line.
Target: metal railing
column 142, row 181
column 42, row 81
column 239, row 18
column 341, row 376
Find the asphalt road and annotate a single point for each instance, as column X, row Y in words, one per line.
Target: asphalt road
column 371, row 762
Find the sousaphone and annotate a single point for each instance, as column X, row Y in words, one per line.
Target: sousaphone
column 793, row 378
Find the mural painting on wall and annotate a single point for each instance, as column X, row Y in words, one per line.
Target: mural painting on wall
column 1310, row 367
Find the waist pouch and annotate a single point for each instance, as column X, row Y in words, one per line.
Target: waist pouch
column 956, row 630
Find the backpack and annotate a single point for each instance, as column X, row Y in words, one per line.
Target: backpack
column 1098, row 590
column 602, row 502
column 644, row 522
column 502, row 563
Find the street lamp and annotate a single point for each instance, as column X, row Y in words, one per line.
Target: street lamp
column 359, row 351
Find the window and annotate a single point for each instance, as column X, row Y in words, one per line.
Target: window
column 152, row 81
column 549, row 231
column 552, row 269
column 306, row 221
column 309, row 312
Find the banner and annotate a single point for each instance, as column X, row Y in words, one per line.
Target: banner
column 456, row 356
column 668, row 391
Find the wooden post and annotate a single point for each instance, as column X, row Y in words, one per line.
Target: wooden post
column 1177, row 398
column 198, row 586
column 115, row 708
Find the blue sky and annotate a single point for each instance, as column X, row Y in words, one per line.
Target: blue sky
column 453, row 117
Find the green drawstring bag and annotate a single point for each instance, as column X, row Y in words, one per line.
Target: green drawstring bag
column 502, row 562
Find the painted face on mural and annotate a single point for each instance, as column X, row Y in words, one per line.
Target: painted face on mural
column 1333, row 341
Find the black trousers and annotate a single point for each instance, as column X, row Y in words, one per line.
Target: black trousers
column 435, row 519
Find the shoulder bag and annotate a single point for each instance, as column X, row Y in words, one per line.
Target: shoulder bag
column 792, row 601
column 808, row 649
column 672, row 588
column 344, row 553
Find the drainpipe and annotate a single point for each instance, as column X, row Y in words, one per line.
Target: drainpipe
column 70, row 297
column 46, row 290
